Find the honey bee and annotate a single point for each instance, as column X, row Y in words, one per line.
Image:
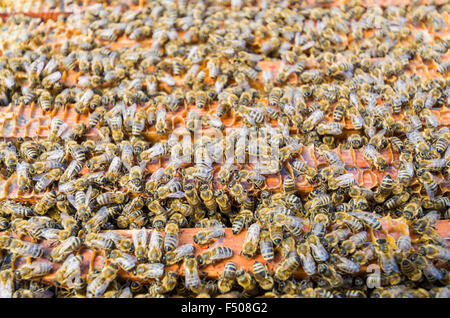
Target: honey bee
column 287, row 267
column 69, row 270
column 374, row 157
column 179, row 253
column 125, row 261
column 386, row 259
column 429, row 184
column 23, row 176
column 266, row 246
column 99, row 241
column 6, row 283
column 161, row 124
column 150, row 270
column 223, row 202
column 98, row 220
column 357, row 141
column 97, row 287
column 33, row 270
column 207, row 197
column 369, row 219
column 26, row 249
column 15, row 209
column 47, row 202
column 65, row 248
column 262, row 276
column 227, row 278
column 251, row 241
column 107, row 198
column 140, row 244
column 247, row 282
column 155, row 247
column 241, row 221
column 45, row 180
column 214, row 254
column 139, row 122
column 292, row 223
column 192, row 279
column 171, row 237
column 204, row 237
column 201, row 99
column 431, row 251
column 237, row 191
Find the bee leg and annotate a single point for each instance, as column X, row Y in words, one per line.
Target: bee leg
column 387, row 225
column 29, row 259
column 54, row 111
column 372, row 236
column 391, row 240
column 91, row 261
column 13, row 262
column 291, row 172
column 417, row 241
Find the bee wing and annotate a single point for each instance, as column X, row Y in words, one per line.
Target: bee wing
column 215, row 122
column 139, row 237
column 57, row 124
column 71, row 167
column 157, row 175
column 167, row 79
column 447, row 152
column 178, row 161
column 49, row 67
column 308, row 263
column 184, row 250
column 72, row 201
column 253, row 233
column 345, row 179
column 38, row 176
column 67, row 135
column 430, row 192
column 217, row 256
column 55, row 76
column 409, row 168
column 155, row 150
column 39, row 66
column 88, row 195
column 177, row 195
column 257, row 176
column 161, row 114
column 66, row 187
column 130, row 111
column 364, row 215
column 55, row 154
column 94, row 175
column 143, row 165
column 22, row 168
column 154, row 243
column 115, row 165
column 308, row 45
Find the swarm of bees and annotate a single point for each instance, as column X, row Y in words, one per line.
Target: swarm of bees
column 347, row 79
